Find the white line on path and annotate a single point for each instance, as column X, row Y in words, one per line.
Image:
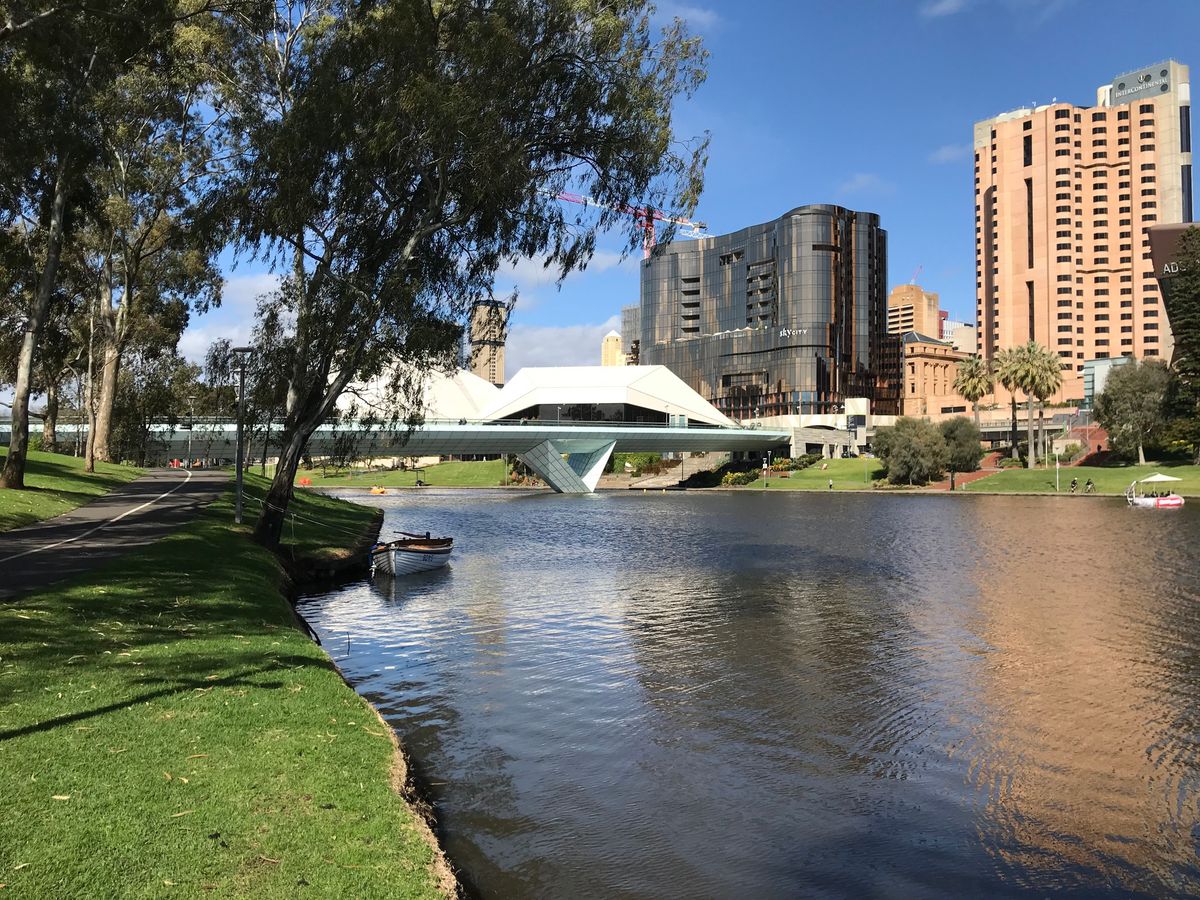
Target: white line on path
column 102, row 524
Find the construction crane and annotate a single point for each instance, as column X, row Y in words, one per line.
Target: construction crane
column 917, row 274
column 646, row 215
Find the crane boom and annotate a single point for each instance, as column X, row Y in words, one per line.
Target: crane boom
column 644, row 214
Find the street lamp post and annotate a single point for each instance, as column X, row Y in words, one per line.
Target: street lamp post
column 767, row 468
column 242, row 355
column 191, row 427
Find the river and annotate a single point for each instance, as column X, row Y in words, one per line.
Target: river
column 795, row 694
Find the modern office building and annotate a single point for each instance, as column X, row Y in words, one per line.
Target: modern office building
column 489, row 328
column 1063, row 197
column 611, row 353
column 784, row 318
column 631, row 324
column 912, row 308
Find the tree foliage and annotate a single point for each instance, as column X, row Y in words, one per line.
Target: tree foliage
column 395, row 154
column 973, row 380
column 913, row 451
column 963, row 450
column 1131, row 407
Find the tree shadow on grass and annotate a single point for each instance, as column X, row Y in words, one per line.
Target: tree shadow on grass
column 172, row 686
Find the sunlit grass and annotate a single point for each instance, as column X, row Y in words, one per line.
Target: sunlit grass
column 1108, row 479
column 56, row 484
column 166, row 730
column 482, row 473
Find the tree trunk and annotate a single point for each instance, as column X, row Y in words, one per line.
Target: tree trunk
column 976, row 407
column 269, row 527
column 50, row 420
column 1141, row 454
column 1042, row 451
column 13, row 475
column 1015, row 453
column 1030, row 450
column 108, row 397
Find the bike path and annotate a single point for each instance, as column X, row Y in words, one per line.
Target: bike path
column 81, row 540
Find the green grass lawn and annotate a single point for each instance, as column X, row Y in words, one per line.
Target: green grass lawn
column 56, row 484
column 1109, row 479
column 484, row 473
column 847, row 475
column 165, row 730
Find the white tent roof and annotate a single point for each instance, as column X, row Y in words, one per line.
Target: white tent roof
column 1157, row 478
column 651, row 387
column 461, row 395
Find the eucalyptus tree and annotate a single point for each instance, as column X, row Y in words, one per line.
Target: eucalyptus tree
column 973, row 381
column 396, row 154
column 56, row 59
column 159, row 152
column 1131, row 406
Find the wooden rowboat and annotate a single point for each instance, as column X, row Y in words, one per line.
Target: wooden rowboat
column 411, row 553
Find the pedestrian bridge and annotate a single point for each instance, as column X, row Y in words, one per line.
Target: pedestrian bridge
column 568, row 456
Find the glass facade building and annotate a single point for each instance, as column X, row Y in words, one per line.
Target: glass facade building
column 788, row 317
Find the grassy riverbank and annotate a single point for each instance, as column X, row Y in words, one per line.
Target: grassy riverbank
column 483, row 473
column 1108, row 479
column 56, row 484
column 165, row 730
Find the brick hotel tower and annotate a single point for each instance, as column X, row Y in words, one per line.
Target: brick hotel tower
column 1063, row 195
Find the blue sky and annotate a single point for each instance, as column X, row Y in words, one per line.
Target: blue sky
column 864, row 103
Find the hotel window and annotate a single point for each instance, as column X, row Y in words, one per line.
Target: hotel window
column 1149, row 204
column 1098, row 117
column 1064, row 278
column 1102, row 260
column 1147, row 179
column 1122, row 129
column 1149, row 326
column 1100, row 142
column 1062, row 113
column 1146, row 136
column 1150, row 339
column 1146, row 108
column 1122, row 114
column 1063, row 152
column 1063, row 259
column 1147, row 148
column 1060, row 140
column 1102, row 329
column 1062, row 171
column 1028, row 149
column 1148, row 192
column 1150, row 351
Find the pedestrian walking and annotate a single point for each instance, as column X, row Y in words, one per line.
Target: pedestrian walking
column 831, row 484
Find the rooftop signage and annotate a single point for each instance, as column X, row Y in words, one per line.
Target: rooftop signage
column 1148, row 82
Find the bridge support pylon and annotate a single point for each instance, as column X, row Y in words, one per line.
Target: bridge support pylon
column 577, row 474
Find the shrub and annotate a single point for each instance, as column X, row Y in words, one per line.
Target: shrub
column 912, row 451
column 738, row 478
column 963, row 450
column 1008, row 462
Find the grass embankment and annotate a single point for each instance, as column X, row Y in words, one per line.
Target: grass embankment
column 483, row 473
column 847, row 475
column 56, row 484
column 165, row 730
column 1108, row 479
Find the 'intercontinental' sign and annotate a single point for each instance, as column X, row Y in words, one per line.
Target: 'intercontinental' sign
column 1146, row 83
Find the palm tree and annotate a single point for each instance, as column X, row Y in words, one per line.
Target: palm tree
column 1008, row 368
column 974, row 379
column 1035, row 370
column 1047, row 381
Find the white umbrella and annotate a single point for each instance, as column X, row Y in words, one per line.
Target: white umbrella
column 1156, row 478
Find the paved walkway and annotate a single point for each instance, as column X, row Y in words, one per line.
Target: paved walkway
column 138, row 514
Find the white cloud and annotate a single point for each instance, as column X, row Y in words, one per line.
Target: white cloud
column 243, row 290
column 950, row 153
column 555, row 345
column 695, row 16
column 933, row 9
column 865, row 183
column 196, row 339
column 529, row 273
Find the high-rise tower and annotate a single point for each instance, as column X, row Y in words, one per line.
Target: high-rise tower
column 1063, row 197
column 488, row 334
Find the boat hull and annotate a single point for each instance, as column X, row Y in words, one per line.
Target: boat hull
column 1172, row 502
column 407, row 560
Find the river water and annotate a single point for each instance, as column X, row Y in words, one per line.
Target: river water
column 794, row 694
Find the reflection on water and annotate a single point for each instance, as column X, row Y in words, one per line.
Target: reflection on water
column 675, row 695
